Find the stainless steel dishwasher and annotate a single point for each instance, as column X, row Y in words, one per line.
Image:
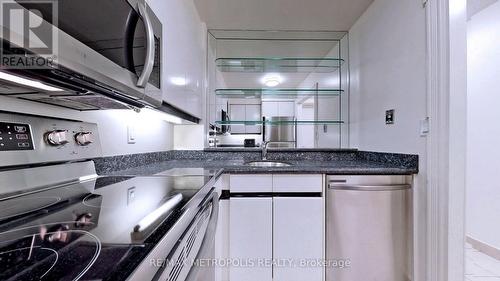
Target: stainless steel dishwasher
column 368, row 228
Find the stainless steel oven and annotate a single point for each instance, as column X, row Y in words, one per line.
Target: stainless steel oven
column 59, row 220
column 192, row 257
column 110, row 48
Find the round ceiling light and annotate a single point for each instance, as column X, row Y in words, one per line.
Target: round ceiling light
column 272, row 80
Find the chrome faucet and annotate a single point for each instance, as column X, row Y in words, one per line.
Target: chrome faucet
column 264, row 150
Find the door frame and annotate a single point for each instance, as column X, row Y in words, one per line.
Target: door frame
column 446, row 142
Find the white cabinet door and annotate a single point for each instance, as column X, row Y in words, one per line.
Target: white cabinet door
column 250, row 238
column 297, row 183
column 270, row 108
column 221, row 241
column 237, row 112
column 251, row 183
column 278, row 108
column 245, row 112
column 252, row 113
column 298, row 236
column 183, row 54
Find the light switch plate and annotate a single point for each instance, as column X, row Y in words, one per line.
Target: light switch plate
column 424, row 127
column 389, row 116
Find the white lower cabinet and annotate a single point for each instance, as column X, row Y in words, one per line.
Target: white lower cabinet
column 274, row 233
column 222, row 242
column 250, row 239
column 298, row 236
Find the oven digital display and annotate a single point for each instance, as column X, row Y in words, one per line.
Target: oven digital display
column 15, row 136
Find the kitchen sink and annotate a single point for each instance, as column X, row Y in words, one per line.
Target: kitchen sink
column 264, row 163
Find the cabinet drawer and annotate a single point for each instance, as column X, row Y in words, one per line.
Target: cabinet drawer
column 298, row 183
column 251, row 183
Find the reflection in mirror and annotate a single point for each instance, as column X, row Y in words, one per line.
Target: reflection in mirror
column 286, row 88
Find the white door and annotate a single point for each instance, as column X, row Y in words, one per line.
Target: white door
column 250, row 238
column 298, row 236
column 329, row 136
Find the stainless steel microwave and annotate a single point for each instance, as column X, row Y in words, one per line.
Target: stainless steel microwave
column 109, row 53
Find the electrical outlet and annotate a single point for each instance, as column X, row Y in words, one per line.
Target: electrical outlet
column 389, row 116
column 130, row 195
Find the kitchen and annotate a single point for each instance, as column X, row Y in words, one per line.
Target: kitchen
column 221, row 140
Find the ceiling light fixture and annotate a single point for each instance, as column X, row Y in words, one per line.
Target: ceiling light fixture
column 28, row 82
column 272, row 80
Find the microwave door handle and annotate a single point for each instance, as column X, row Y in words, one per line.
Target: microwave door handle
column 150, row 48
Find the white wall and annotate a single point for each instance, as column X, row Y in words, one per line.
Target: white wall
column 483, row 151
column 151, row 134
column 387, row 52
column 187, row 137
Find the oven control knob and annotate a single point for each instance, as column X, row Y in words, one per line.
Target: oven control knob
column 84, row 138
column 57, row 137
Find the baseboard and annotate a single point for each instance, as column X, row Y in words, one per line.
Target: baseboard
column 483, row 247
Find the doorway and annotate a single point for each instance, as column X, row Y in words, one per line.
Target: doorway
column 482, row 208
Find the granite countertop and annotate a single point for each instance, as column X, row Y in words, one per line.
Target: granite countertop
column 233, row 161
column 341, row 167
column 340, row 162
column 278, row 149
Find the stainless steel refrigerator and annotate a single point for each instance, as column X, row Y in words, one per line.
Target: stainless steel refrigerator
column 281, row 131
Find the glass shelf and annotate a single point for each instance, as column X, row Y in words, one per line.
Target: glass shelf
column 324, row 65
column 278, row 123
column 284, row 93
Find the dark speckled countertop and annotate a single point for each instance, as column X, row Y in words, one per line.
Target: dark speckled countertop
column 323, row 161
column 217, row 161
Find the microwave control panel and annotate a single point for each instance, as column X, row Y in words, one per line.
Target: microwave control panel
column 15, row 136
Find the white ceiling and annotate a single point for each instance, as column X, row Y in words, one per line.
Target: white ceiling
column 281, row 14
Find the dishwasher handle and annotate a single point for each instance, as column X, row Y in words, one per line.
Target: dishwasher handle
column 364, row 187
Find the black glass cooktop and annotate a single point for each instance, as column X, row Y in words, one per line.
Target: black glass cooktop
column 89, row 230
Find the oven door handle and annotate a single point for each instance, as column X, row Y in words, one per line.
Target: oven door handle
column 209, row 236
column 149, row 62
